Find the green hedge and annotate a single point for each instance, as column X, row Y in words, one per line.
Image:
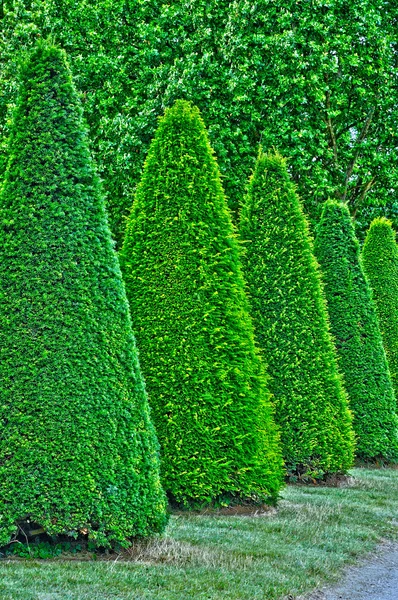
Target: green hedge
column 380, row 260
column 78, row 451
column 291, row 325
column 356, row 331
column 180, row 260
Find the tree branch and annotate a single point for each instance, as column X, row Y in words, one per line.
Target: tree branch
column 365, row 190
column 329, row 125
column 358, row 142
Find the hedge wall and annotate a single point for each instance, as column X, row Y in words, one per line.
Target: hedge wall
column 356, row 331
column 380, row 260
column 78, row 452
column 183, row 277
column 291, row 325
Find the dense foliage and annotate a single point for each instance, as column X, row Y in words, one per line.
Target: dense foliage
column 291, row 325
column 356, row 331
column 323, row 74
column 78, row 452
column 380, row 260
column 180, row 260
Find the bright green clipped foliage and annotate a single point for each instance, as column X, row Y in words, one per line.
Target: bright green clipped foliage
column 357, row 335
column 291, row 325
column 78, row 452
column 380, row 261
column 180, row 260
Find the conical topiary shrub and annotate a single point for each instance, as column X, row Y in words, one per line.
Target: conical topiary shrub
column 291, row 325
column 183, row 279
column 357, row 335
column 380, row 261
column 78, row 452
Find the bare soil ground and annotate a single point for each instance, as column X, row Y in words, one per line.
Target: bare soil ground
column 375, row 579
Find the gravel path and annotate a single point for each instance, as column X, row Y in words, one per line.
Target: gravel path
column 374, row 580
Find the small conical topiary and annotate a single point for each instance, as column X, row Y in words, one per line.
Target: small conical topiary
column 357, row 335
column 180, row 260
column 291, row 325
column 380, row 261
column 78, row 452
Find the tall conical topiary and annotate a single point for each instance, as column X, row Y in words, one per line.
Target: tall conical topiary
column 357, row 335
column 183, row 279
column 78, row 452
column 291, row 325
column 380, row 261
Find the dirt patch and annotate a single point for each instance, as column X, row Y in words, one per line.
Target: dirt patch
column 248, row 510
column 375, row 579
column 329, row 481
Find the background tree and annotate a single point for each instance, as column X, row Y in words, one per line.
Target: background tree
column 180, row 261
column 291, row 325
column 78, row 451
column 380, row 260
column 357, row 335
column 323, row 75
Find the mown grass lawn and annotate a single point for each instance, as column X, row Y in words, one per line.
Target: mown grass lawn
column 315, row 532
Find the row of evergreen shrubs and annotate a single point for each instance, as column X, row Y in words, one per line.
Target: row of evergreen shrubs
column 78, row 451
column 179, row 263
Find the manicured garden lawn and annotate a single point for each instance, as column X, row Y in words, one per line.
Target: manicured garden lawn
column 315, row 532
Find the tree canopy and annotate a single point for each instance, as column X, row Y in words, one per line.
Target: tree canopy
column 318, row 81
